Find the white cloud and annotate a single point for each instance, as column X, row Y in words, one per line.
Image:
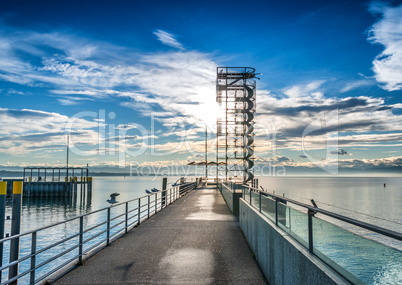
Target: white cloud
column 181, row 86
column 177, row 82
column 388, row 32
column 357, row 84
column 280, row 121
column 168, row 39
column 24, row 131
column 372, row 163
column 305, row 90
column 73, row 100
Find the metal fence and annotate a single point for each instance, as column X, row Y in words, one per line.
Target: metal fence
column 355, row 257
column 51, row 251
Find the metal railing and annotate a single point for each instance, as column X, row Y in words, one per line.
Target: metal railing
column 330, row 243
column 84, row 238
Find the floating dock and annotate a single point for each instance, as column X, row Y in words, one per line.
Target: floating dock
column 53, row 182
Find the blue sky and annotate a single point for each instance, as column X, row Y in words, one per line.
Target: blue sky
column 134, row 81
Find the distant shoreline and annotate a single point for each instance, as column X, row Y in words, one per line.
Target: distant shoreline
column 311, row 173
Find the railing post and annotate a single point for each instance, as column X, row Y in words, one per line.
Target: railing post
column 310, row 231
column 250, row 195
column 3, row 194
column 259, row 202
column 108, row 227
column 15, row 228
column 164, row 186
column 156, row 204
column 139, row 211
column 276, row 211
column 80, row 240
column 149, row 204
column 126, row 223
column 33, row 258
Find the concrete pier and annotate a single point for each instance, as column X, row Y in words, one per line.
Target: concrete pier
column 196, row 240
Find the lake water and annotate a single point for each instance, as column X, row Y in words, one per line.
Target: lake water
column 39, row 212
column 365, row 199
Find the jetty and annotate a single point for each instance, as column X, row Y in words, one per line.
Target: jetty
column 197, row 240
column 195, row 233
column 53, row 182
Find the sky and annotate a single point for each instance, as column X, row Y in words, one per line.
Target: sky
column 133, row 82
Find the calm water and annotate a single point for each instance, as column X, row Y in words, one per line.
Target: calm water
column 364, row 199
column 44, row 211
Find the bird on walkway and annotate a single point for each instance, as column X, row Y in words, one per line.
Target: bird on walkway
column 112, row 199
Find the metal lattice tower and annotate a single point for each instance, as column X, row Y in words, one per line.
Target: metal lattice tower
column 235, row 93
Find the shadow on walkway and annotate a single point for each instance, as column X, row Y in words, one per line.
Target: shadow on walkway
column 196, row 240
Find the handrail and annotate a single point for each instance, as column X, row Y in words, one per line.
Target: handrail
column 367, row 226
column 83, row 215
column 305, row 234
column 113, row 227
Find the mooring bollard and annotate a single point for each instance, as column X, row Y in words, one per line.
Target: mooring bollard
column 15, row 228
column 89, row 181
column 3, row 194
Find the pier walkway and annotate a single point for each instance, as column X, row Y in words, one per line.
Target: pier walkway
column 196, row 240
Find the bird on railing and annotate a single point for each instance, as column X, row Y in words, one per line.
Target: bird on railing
column 147, row 191
column 112, row 199
column 177, row 183
column 154, row 190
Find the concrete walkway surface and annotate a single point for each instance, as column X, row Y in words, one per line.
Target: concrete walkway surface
column 195, row 240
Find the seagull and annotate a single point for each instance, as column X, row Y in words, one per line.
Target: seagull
column 177, row 183
column 112, row 199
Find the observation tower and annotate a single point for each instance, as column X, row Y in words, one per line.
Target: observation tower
column 236, row 95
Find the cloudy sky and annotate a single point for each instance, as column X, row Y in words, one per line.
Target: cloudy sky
column 134, row 81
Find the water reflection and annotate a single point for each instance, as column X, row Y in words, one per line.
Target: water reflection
column 42, row 211
column 38, row 212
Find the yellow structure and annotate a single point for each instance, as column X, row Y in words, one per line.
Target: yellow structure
column 17, row 187
column 3, row 188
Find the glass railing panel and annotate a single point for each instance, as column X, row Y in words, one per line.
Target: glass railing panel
column 297, row 223
column 247, row 194
column 283, row 215
column 268, row 207
column 294, row 222
column 357, row 258
column 255, row 200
